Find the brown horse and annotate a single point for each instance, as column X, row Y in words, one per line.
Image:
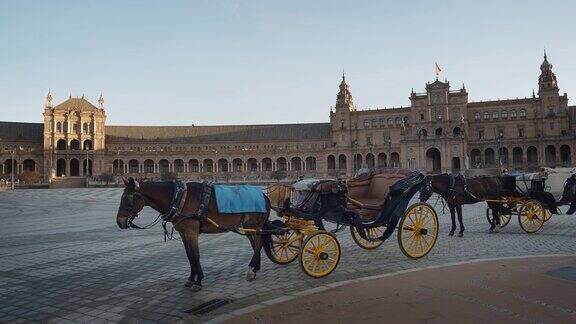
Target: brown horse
column 160, row 197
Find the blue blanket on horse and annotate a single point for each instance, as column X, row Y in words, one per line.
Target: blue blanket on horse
column 239, row 199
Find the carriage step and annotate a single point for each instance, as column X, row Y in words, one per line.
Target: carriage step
column 207, row 307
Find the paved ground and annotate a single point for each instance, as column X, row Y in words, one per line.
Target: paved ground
column 62, row 257
column 533, row 290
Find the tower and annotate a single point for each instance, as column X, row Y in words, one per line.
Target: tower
column 547, row 83
column 341, row 117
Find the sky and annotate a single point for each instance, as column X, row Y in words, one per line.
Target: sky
column 219, row 62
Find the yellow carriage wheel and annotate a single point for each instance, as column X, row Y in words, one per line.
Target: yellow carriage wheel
column 531, row 216
column 548, row 216
column 320, row 254
column 418, row 230
column 373, row 232
column 285, row 248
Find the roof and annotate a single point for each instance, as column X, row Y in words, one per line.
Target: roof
column 14, row 131
column 232, row 133
column 76, row 104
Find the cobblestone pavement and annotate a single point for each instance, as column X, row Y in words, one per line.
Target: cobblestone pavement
column 62, row 258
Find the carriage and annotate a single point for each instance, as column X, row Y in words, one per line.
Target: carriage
column 534, row 197
column 372, row 206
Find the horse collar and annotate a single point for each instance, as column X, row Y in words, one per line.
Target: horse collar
column 178, row 201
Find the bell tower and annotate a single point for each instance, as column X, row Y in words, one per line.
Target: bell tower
column 340, row 118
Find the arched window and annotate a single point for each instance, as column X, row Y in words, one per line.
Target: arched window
column 208, row 165
column 522, row 113
column 342, row 162
column 423, row 132
column 178, row 165
column 398, row 121
column 456, row 131
column 495, row 114
column 266, row 164
column 513, row 113
column 237, row 165
column 477, row 116
column 504, row 114
column 59, row 127
column 486, row 115
column 193, row 165
column 85, row 128
column 438, row 131
column 310, row 163
column 389, row 121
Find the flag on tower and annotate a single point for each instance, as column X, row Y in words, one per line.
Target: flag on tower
column 438, row 70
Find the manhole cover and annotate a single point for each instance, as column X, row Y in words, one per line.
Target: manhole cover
column 207, row 307
column 566, row 273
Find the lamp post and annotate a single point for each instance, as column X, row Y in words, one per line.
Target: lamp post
column 12, row 165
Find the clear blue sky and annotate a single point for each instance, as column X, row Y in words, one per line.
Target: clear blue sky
column 243, row 62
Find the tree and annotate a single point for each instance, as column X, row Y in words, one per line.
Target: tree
column 278, row 175
column 29, row 177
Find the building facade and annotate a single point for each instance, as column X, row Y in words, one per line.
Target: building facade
column 440, row 131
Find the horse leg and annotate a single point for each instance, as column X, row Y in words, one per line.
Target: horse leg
column 453, row 218
column 459, row 210
column 189, row 235
column 255, row 262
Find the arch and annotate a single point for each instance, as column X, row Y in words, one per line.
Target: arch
column 357, row 161
column 149, row 166
column 29, row 165
column 503, row 156
column 382, row 160
column 208, row 165
column 457, row 131
column 237, row 165
column 310, row 163
column 550, row 153
column 179, row 166
column 433, row 160
column 193, row 165
column 134, row 166
column 163, row 166
column 75, row 144
column 476, row 158
column 88, row 145
column 489, row 158
column 370, row 161
column 565, row 155
column 8, row 166
column 331, row 162
column 424, row 132
column 296, row 163
column 438, row 131
column 74, row 168
column 342, row 162
column 281, row 164
column 61, row 144
column 395, row 160
column 532, row 156
column 61, row 167
column 517, row 156
column 118, row 166
column 222, row 165
column 59, row 127
column 266, row 164
column 87, row 167
column 252, row 165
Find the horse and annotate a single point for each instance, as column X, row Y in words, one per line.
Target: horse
column 190, row 218
column 458, row 190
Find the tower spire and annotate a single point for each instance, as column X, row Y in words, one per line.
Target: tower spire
column 49, row 99
column 344, row 97
column 547, row 79
column 101, row 101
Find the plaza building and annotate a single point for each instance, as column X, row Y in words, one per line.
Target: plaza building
column 439, row 131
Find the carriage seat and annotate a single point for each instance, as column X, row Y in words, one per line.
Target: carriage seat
column 371, row 193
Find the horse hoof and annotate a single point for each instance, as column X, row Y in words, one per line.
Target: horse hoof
column 451, row 233
column 188, row 284
column 460, row 234
column 491, row 230
column 250, row 275
column 195, row 287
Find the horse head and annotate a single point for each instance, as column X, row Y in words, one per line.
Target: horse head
column 131, row 203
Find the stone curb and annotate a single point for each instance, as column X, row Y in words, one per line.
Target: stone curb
column 241, row 311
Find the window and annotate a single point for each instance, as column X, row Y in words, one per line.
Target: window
column 59, row 127
column 486, row 115
column 398, row 121
column 477, row 116
column 495, row 115
column 423, row 132
column 389, row 121
column 522, row 113
column 521, row 132
column 513, row 113
column 481, row 134
column 374, row 122
column 421, row 116
column 368, row 140
column 366, row 123
column 381, row 122
column 504, row 114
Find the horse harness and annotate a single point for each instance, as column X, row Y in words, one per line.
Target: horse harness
column 175, row 214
